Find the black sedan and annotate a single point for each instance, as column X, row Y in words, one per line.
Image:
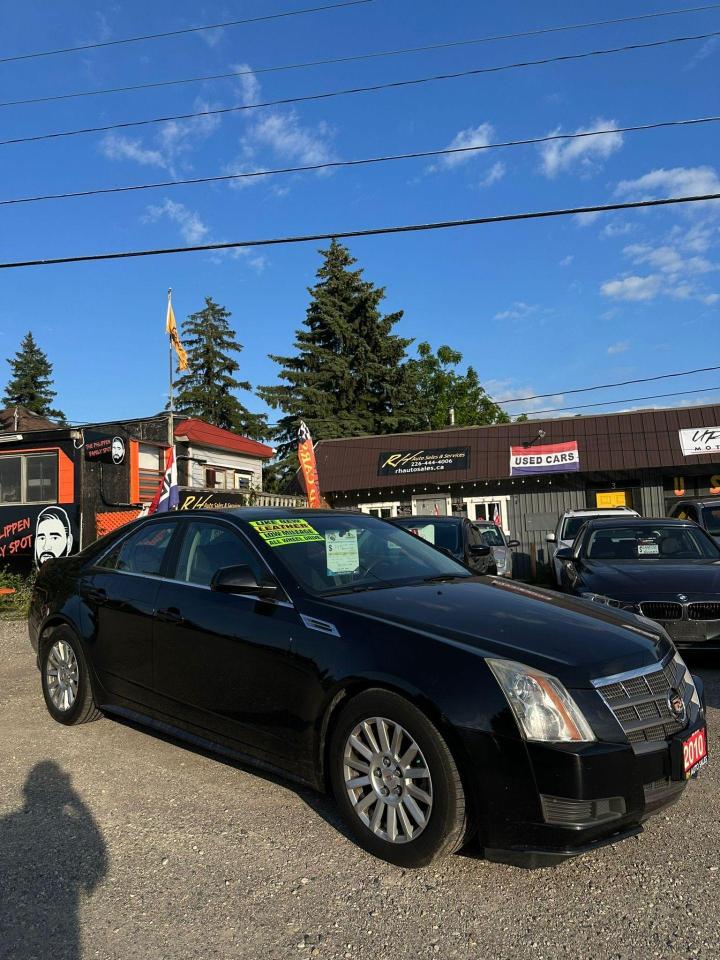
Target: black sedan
column 457, row 536
column 666, row 570
column 347, row 654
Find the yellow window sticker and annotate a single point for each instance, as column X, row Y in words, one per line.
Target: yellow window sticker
column 341, row 550
column 281, row 533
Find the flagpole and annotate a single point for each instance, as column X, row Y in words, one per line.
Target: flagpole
column 171, row 431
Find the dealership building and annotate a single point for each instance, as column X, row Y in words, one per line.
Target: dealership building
column 524, row 475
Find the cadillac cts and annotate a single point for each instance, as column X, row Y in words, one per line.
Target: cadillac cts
column 349, row 654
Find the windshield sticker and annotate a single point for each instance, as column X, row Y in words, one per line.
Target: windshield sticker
column 648, row 548
column 426, row 532
column 341, row 550
column 282, row 533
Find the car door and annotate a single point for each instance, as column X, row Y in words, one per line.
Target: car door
column 119, row 593
column 221, row 660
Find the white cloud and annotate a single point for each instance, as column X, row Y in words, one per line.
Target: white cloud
column 192, row 228
column 617, row 228
column 667, row 259
column 566, row 261
column 503, row 390
column 706, row 50
column 495, row 173
column 518, row 311
column 248, row 83
column 584, row 154
column 622, row 346
column 117, row 147
column 585, row 219
column 478, row 136
column 633, row 288
column 675, row 181
column 182, row 136
column 284, row 135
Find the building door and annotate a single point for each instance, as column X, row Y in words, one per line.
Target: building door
column 431, row 506
column 489, row 509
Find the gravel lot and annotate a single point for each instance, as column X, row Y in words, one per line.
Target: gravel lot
column 117, row 843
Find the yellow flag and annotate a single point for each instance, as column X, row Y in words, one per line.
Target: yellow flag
column 172, row 331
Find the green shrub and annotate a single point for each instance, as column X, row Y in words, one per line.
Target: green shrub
column 17, row 603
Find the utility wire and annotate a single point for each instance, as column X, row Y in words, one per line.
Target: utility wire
column 396, row 84
column 374, row 55
column 607, row 386
column 370, row 232
column 608, row 403
column 365, row 161
column 185, row 30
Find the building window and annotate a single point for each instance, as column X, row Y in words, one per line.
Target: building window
column 151, row 469
column 29, row 478
column 227, row 478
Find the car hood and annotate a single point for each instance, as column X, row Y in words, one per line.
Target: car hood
column 573, row 639
column 652, row 579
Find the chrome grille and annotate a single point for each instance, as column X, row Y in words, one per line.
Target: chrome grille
column 703, row 611
column 661, row 610
column 639, row 701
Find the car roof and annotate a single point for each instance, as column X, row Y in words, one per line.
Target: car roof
column 593, row 511
column 427, row 516
column 699, row 501
column 600, row 522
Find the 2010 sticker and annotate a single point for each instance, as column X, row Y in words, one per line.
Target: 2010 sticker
column 341, row 551
column 283, row 533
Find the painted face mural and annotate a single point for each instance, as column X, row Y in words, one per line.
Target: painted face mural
column 118, row 450
column 53, row 535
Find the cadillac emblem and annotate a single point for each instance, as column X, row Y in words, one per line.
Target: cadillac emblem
column 676, row 705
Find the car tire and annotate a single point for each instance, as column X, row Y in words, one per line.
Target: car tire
column 65, row 679
column 401, row 837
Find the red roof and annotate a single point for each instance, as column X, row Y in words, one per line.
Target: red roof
column 208, row 435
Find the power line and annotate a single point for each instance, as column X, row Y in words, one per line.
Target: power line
column 607, row 386
column 373, row 88
column 370, row 232
column 608, row 403
column 449, row 44
column 365, row 161
column 185, row 30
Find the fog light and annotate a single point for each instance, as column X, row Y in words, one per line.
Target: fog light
column 576, row 814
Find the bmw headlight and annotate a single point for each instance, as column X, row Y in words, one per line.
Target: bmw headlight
column 608, row 601
column 543, row 708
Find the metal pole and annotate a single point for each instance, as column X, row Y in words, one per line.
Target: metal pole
column 171, row 431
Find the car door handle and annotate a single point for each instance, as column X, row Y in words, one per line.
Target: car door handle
column 95, row 594
column 170, row 615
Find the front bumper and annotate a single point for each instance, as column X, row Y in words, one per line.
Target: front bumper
column 693, row 634
column 594, row 794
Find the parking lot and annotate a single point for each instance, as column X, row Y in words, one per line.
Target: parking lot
column 115, row 842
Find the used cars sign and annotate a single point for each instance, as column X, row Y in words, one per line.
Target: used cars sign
column 549, row 458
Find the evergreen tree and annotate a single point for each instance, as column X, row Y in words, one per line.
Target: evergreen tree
column 205, row 389
column 440, row 388
column 347, row 375
column 31, row 382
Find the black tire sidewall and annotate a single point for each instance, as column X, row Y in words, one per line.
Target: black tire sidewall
column 448, row 798
column 71, row 716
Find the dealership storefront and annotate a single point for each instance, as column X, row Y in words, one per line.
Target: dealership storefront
column 524, row 475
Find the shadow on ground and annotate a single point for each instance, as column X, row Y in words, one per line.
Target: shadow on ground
column 51, row 854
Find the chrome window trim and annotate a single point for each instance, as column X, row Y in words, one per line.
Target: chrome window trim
column 175, row 519
column 629, row 674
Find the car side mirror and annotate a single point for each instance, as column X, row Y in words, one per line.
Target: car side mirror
column 479, row 550
column 513, row 543
column 241, row 579
column 565, row 553
column 551, row 538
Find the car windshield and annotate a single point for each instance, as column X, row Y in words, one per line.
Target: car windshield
column 712, row 520
column 491, row 536
column 440, row 533
column 646, row 542
column 571, row 527
column 340, row 554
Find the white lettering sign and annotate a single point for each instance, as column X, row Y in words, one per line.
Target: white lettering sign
column 699, row 440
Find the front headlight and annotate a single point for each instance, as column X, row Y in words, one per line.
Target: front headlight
column 608, row 601
column 543, row 708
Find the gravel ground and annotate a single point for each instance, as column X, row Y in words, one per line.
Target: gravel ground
column 117, row 843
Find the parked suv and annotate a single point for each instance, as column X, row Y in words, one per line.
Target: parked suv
column 458, row 536
column 568, row 527
column 703, row 511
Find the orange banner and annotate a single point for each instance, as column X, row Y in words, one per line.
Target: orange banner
column 306, row 456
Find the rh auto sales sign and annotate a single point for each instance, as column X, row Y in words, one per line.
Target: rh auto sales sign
column 699, row 440
column 550, row 458
column 423, row 461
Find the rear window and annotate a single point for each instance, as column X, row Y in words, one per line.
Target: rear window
column 711, row 516
column 661, row 542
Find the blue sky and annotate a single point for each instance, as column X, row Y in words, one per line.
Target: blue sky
column 535, row 307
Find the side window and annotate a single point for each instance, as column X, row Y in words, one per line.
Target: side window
column 691, row 513
column 141, row 552
column 474, row 536
column 208, row 547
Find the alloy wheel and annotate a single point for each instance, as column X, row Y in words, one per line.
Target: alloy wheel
column 62, row 675
column 387, row 780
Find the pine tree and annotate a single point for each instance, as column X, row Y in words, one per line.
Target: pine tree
column 440, row 388
column 30, row 384
column 347, row 375
column 205, row 390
